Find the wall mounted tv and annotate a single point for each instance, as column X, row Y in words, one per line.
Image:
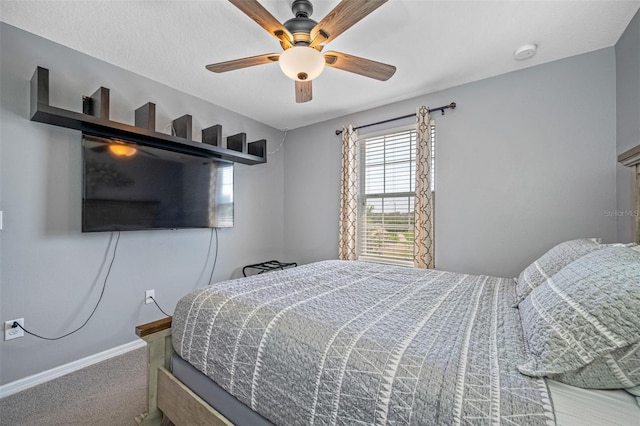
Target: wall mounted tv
column 129, row 187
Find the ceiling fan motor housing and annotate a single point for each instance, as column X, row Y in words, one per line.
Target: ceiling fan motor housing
column 300, row 26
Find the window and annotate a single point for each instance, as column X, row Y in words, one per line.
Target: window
column 387, row 188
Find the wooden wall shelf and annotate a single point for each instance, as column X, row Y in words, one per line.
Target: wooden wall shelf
column 94, row 120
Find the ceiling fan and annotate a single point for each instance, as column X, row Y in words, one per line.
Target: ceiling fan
column 303, row 39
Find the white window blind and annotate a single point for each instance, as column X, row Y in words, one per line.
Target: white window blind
column 386, row 216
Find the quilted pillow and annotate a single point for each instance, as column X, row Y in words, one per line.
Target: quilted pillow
column 551, row 262
column 588, row 314
column 619, row 369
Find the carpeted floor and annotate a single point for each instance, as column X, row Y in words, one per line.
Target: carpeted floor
column 110, row 393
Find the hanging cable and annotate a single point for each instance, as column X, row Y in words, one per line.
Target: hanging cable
column 161, row 310
column 215, row 259
column 173, row 129
column 281, row 143
column 206, row 261
column 104, row 286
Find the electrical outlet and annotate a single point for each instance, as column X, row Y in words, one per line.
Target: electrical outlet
column 11, row 332
column 148, row 295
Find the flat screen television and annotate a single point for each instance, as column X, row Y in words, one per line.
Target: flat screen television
column 129, row 187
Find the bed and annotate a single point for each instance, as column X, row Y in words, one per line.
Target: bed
column 343, row 342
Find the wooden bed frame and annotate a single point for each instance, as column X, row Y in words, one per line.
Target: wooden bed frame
column 167, row 397
column 170, row 399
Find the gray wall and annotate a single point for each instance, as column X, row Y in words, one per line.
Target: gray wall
column 526, row 160
column 628, row 122
column 51, row 273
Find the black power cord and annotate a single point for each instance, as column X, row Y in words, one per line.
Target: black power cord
column 161, row 310
column 215, row 258
column 104, row 286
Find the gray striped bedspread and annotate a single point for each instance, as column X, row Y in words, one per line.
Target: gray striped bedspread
column 355, row 343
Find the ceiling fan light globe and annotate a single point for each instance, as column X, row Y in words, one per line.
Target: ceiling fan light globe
column 301, row 63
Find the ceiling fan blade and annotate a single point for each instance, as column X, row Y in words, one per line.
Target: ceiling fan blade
column 303, row 91
column 237, row 64
column 346, row 14
column 354, row 64
column 258, row 13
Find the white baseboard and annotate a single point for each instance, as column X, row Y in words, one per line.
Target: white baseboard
column 45, row 376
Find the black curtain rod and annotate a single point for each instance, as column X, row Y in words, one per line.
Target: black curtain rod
column 452, row 105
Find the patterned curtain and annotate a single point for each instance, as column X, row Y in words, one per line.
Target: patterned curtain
column 423, row 253
column 348, row 195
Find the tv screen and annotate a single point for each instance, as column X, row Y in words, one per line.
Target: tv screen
column 130, row 187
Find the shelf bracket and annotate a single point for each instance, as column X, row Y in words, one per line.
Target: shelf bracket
column 97, row 104
column 145, row 116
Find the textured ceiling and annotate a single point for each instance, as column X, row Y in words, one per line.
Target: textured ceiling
column 433, row 44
